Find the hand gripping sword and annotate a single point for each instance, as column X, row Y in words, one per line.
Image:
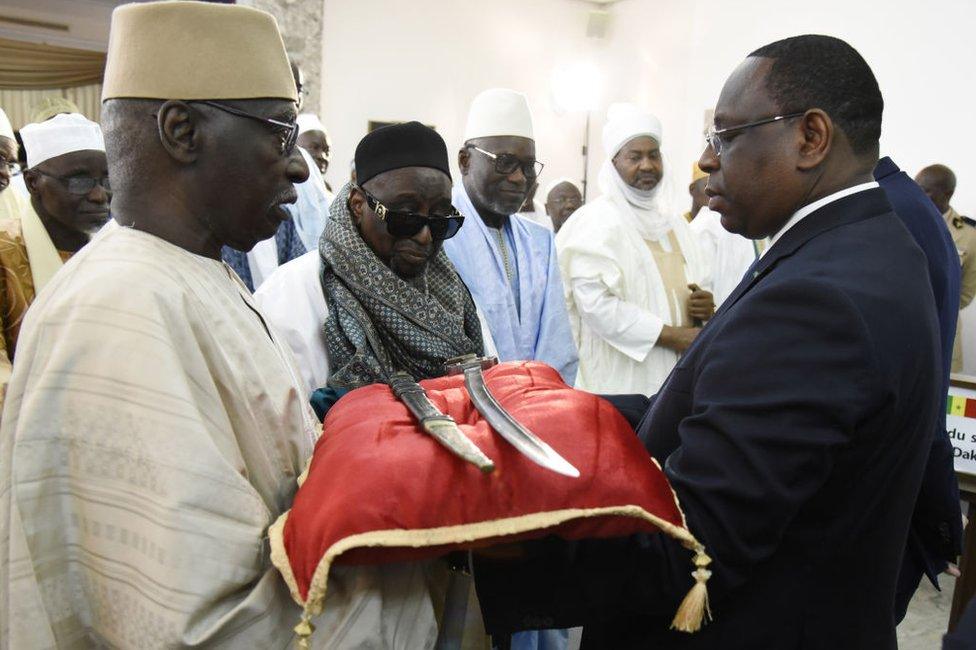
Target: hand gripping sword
column 440, row 426
column 525, row 441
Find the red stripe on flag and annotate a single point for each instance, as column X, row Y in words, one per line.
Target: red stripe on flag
column 970, row 408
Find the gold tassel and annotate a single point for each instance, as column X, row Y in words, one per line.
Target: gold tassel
column 304, row 630
column 694, row 611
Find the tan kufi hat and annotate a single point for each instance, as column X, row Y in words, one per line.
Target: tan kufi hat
column 51, row 106
column 697, row 173
column 499, row 111
column 195, row 50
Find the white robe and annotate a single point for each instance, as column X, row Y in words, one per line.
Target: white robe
column 616, row 299
column 726, row 254
column 293, row 301
column 152, row 431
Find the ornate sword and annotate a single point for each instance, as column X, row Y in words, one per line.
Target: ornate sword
column 441, row 427
column 525, row 441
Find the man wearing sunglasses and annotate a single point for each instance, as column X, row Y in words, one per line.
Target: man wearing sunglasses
column 392, row 224
column 509, row 262
column 381, row 296
column 67, row 178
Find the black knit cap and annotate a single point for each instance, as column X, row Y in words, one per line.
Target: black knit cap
column 401, row 145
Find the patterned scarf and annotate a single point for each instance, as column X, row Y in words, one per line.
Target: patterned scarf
column 380, row 323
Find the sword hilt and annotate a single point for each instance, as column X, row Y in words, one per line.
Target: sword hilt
column 457, row 365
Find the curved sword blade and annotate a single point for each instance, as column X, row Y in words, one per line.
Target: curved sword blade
column 508, row 427
column 439, row 426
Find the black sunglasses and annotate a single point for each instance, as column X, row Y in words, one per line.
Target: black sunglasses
column 290, row 129
column 407, row 224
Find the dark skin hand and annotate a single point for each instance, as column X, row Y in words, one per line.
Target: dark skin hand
column 70, row 219
column 767, row 173
column 8, row 154
column 562, row 202
column 639, row 163
column 698, row 197
column 937, row 183
column 198, row 177
column 701, row 304
column 317, row 146
column 495, row 196
column 701, row 307
column 421, row 190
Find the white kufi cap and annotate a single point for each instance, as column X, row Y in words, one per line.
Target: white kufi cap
column 626, row 122
column 64, row 133
column 499, row 111
column 5, row 127
column 310, row 122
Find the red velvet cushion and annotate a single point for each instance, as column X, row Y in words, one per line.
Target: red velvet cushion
column 380, row 490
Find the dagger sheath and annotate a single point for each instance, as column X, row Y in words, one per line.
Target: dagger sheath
column 439, row 426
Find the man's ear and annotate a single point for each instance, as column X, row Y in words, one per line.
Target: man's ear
column 179, row 131
column 357, row 205
column 816, row 138
column 464, row 160
column 31, row 178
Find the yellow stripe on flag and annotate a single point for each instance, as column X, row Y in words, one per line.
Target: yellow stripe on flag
column 958, row 406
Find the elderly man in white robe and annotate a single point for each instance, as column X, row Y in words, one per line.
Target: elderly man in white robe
column 155, row 425
column 635, row 282
column 508, row 262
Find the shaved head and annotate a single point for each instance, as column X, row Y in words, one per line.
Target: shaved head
column 939, row 183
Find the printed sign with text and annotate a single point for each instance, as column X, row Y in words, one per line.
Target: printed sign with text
column 961, row 425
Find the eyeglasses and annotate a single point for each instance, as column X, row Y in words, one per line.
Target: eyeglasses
column 713, row 137
column 506, row 163
column 80, row 185
column 407, row 224
column 290, row 129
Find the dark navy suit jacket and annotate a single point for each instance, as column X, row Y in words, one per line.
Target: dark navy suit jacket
column 795, row 432
column 936, row 533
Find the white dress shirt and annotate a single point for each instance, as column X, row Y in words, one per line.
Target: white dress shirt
column 816, row 205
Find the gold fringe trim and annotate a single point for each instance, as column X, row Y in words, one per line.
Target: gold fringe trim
column 694, row 610
column 690, row 617
column 304, row 631
column 279, row 556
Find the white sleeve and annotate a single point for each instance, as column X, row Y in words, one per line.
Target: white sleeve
column 294, row 305
column 627, row 327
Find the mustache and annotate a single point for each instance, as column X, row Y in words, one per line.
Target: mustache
column 285, row 196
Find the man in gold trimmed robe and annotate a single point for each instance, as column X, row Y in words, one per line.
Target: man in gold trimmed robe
column 155, row 425
column 67, row 178
column 631, row 267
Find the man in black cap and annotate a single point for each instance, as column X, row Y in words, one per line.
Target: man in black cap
column 380, row 275
column 391, row 227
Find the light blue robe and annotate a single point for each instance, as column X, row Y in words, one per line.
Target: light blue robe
column 538, row 328
column 311, row 210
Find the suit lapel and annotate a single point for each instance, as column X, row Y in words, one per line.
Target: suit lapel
column 850, row 209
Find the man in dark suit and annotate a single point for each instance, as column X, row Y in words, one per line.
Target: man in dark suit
column 935, row 537
column 796, row 428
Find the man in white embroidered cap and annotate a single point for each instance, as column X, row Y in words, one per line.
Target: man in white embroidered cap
column 508, row 262
column 154, row 424
column 67, row 177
